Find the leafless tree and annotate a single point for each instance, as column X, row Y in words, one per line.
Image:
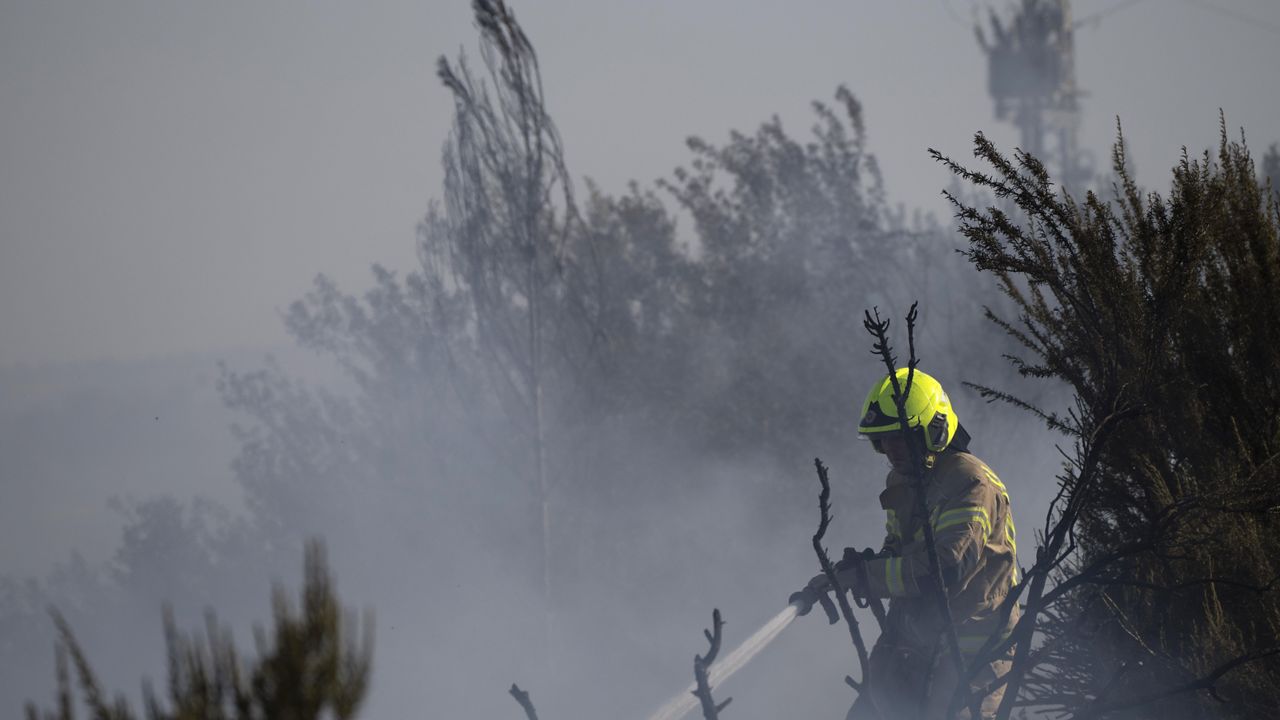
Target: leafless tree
column 502, row 238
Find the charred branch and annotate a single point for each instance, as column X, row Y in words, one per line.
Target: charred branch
column 829, row 569
column 702, row 670
column 857, row 560
column 526, row 704
column 879, row 329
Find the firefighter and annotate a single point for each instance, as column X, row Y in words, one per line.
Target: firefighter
column 912, row 673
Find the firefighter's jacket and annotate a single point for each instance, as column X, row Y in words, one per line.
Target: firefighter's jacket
column 976, row 543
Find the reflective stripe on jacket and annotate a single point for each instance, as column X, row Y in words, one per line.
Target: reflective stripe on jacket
column 968, row 507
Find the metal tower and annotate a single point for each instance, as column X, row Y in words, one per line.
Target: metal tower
column 1032, row 79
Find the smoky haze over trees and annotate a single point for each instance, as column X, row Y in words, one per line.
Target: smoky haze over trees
column 603, row 409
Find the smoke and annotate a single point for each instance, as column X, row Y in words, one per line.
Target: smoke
column 679, row 453
column 680, row 705
column 459, row 613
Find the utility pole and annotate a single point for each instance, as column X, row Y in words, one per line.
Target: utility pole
column 1031, row 76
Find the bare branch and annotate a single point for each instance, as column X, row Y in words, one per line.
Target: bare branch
column 829, row 569
column 701, row 670
column 1048, row 556
column 858, row 562
column 522, row 697
column 915, row 443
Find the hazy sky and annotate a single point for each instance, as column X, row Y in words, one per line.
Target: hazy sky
column 172, row 174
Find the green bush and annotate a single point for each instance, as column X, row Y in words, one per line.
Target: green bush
column 1169, row 306
column 314, row 663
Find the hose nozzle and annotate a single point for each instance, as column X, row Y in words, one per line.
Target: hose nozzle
column 805, row 599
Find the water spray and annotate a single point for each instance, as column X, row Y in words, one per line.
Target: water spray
column 800, row 604
column 681, row 704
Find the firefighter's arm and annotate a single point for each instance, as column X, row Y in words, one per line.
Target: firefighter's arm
column 892, row 541
column 961, row 528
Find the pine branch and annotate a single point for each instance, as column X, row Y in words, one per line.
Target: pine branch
column 1207, row 682
column 93, row 695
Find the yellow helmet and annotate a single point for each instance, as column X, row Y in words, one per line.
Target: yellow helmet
column 927, row 407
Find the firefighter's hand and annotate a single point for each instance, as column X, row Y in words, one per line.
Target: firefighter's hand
column 817, row 591
column 852, row 569
column 852, row 557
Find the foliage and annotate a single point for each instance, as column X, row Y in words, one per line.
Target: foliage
column 793, row 237
column 315, row 664
column 709, row 349
column 1271, row 168
column 1165, row 309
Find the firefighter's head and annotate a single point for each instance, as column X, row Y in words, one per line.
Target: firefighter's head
column 931, row 421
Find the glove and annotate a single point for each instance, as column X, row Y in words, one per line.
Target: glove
column 816, row 592
column 852, row 557
column 851, row 571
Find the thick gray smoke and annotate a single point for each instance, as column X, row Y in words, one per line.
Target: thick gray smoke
column 699, row 344
column 420, row 487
